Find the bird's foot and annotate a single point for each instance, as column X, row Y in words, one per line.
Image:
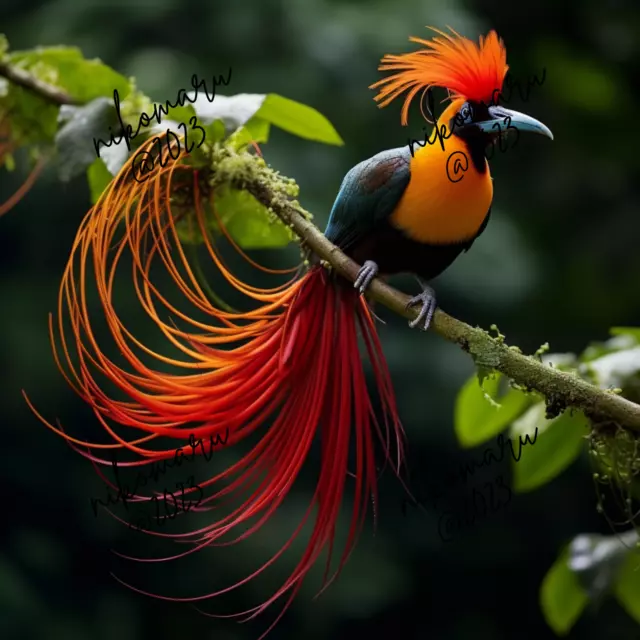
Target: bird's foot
column 428, row 300
column 368, row 271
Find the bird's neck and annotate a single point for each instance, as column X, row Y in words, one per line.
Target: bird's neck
column 449, row 193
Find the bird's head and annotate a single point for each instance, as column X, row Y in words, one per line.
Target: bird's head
column 473, row 75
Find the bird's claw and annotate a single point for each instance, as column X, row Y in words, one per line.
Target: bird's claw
column 428, row 300
column 368, row 271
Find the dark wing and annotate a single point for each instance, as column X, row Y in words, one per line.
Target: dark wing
column 368, row 195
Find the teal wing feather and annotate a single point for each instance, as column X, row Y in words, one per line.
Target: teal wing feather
column 368, row 195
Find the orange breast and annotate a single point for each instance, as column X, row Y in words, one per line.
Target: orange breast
column 447, row 198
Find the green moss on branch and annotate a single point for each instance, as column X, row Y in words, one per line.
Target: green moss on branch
column 561, row 390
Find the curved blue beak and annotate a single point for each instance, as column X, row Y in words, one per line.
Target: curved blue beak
column 503, row 119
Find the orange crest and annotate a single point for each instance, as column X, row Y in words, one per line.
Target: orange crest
column 468, row 71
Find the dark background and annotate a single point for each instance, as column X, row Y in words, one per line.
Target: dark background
column 559, row 262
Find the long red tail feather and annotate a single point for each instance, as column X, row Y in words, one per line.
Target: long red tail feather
column 294, row 360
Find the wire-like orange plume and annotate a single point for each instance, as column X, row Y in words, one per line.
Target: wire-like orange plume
column 294, row 360
column 468, row 71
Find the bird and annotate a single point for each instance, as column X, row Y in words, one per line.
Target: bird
column 290, row 372
column 401, row 211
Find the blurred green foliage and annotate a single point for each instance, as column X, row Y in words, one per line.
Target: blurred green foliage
column 557, row 442
column 558, row 263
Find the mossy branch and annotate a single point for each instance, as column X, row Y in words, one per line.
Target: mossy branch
column 27, row 81
column 561, row 390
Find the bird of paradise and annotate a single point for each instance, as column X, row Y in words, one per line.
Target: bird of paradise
column 294, row 359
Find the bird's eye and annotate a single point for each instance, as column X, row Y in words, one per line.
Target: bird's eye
column 465, row 115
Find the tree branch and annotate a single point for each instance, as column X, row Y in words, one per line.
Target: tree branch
column 24, row 79
column 561, row 389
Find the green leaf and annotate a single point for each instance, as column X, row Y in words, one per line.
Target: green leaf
column 177, row 114
column 255, row 130
column 627, row 587
column 596, row 350
column 215, row 131
column 596, row 560
column 298, row 119
column 259, row 129
column 557, row 443
column 634, row 332
column 476, row 420
column 245, row 219
column 32, row 119
column 99, row 178
column 562, row 599
column 249, row 222
column 75, row 139
column 66, row 67
column 289, row 115
column 614, row 369
column 233, row 111
column 8, row 162
column 114, row 156
column 4, row 45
